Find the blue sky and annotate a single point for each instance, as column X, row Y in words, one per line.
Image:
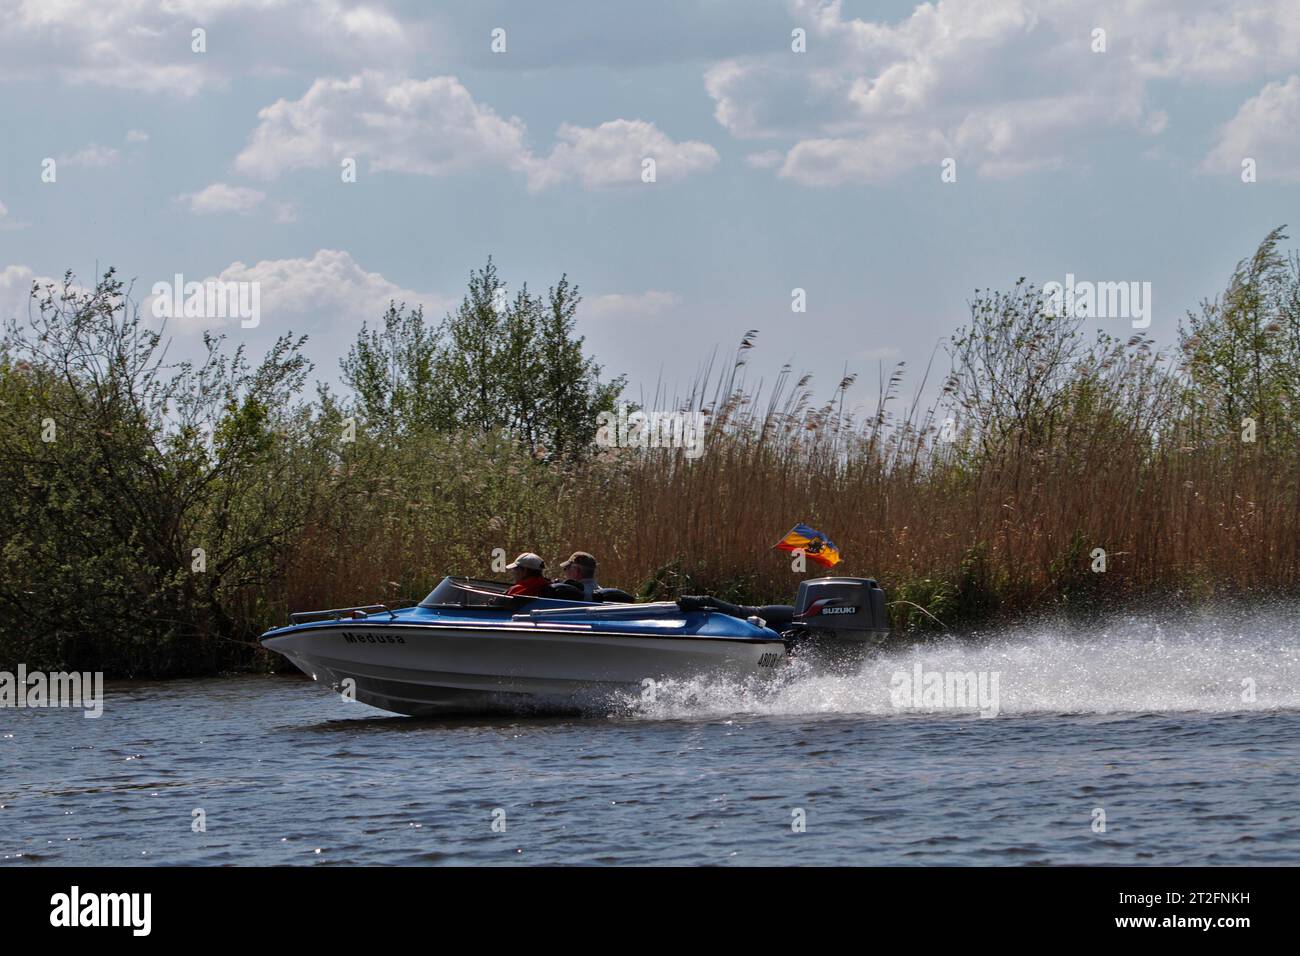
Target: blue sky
column 775, row 169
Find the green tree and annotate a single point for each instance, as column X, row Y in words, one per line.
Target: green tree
column 143, row 503
column 1010, row 368
column 514, row 365
column 392, row 371
column 571, row 389
column 470, row 369
column 1241, row 351
column 1025, row 379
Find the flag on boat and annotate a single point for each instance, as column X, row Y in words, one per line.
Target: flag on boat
column 813, row 543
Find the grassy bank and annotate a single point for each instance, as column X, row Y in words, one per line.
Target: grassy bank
column 156, row 519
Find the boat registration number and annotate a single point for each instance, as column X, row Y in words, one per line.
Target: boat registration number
column 769, row 660
column 364, row 638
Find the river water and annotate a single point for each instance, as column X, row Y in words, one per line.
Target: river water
column 1184, row 741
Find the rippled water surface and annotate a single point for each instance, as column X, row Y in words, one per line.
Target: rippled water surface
column 1189, row 743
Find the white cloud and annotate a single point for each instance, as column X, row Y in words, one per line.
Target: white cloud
column 1219, row 41
column 1266, row 129
column 15, row 291
column 859, row 73
column 137, row 136
column 631, row 304
column 142, row 45
column 869, row 159
column 329, row 292
column 612, row 154
column 741, row 102
column 222, row 198
column 429, row 126
column 434, row 127
column 93, row 156
column 1013, row 86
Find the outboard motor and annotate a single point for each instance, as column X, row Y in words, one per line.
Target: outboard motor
column 836, row 620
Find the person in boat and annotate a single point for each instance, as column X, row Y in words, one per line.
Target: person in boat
column 529, row 580
column 580, row 573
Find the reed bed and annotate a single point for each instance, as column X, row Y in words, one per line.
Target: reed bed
column 969, row 535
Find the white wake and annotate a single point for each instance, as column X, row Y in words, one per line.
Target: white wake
column 1208, row 663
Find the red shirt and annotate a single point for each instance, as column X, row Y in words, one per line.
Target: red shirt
column 533, row 586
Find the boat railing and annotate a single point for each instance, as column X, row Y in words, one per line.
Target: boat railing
column 656, row 609
column 338, row 613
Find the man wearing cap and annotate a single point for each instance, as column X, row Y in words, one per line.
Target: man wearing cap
column 580, row 571
column 529, row 580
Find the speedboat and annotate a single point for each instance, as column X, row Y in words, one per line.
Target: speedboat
column 471, row 648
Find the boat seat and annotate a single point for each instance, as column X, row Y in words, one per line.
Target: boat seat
column 612, row 595
column 564, row 591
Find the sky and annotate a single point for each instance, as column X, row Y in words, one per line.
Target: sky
column 887, row 159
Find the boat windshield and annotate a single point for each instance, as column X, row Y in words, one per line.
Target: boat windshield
column 469, row 592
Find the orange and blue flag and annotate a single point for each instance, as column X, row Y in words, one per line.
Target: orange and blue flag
column 811, row 542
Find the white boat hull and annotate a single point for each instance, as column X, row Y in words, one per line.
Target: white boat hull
column 426, row 670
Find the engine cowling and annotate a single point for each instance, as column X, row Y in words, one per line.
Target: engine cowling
column 838, row 619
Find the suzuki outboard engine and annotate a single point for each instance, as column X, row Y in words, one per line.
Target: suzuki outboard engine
column 836, row 620
column 833, row 623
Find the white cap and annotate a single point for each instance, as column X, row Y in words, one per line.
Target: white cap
column 527, row 560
